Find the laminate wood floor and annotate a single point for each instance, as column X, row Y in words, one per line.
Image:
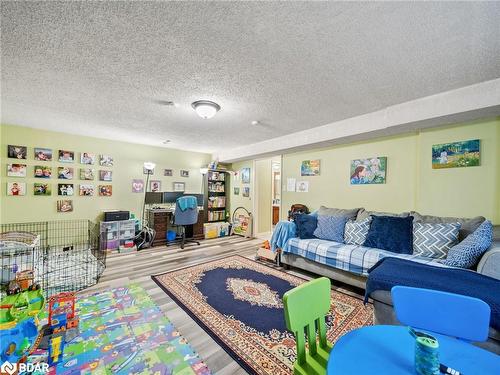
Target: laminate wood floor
column 138, row 267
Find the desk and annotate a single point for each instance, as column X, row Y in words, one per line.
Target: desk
column 161, row 221
column 390, row 350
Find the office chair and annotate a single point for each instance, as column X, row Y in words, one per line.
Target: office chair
column 186, row 213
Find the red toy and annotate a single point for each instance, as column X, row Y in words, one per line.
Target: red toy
column 62, row 303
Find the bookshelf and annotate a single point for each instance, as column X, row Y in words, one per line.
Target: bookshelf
column 216, row 186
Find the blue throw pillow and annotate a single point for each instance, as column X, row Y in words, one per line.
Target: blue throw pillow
column 331, row 228
column 306, row 225
column 391, row 233
column 468, row 252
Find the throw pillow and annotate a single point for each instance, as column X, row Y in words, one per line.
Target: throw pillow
column 391, row 233
column 468, row 252
column 363, row 214
column 356, row 231
column 467, row 225
column 350, row 213
column 306, row 224
column 331, row 228
column 434, row 240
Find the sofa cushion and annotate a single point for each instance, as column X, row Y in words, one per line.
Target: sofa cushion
column 350, row 213
column 434, row 240
column 468, row 252
column 355, row 231
column 390, row 233
column 306, row 225
column 363, row 214
column 331, row 228
column 467, row 226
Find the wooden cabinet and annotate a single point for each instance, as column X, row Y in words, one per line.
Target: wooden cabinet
column 162, row 221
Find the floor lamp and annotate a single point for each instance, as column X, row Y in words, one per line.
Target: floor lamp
column 149, row 168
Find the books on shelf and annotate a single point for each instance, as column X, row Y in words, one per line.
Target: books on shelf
column 216, row 187
column 216, row 176
column 216, row 215
column 216, row 202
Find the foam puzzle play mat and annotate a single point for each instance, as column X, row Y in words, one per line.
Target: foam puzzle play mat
column 115, row 331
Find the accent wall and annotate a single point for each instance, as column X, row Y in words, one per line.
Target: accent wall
column 411, row 182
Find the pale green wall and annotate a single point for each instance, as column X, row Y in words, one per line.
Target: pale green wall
column 412, row 184
column 128, row 162
column 238, row 200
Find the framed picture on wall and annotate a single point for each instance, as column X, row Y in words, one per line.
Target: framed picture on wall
column 86, row 190
column 155, row 186
column 246, row 192
column 179, row 186
column 16, row 188
column 87, row 174
column 65, row 189
column 369, row 171
column 137, row 186
column 16, row 170
column 310, row 168
column 65, row 173
column 456, row 154
column 42, row 171
column 17, row 152
column 66, row 156
column 105, row 190
column 106, row 161
column 184, row 173
column 105, row 175
column 245, row 175
column 236, row 191
column 65, row 205
column 87, row 158
column 42, row 189
column 168, row 172
column 43, row 154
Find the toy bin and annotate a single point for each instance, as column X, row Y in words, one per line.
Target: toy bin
column 210, row 230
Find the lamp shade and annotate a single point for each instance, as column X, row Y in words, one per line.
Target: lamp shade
column 148, row 165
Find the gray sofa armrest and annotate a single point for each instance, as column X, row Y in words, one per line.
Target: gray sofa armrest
column 489, row 264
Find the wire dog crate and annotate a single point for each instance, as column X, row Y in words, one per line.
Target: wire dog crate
column 61, row 255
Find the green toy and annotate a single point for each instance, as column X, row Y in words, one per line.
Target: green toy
column 306, row 305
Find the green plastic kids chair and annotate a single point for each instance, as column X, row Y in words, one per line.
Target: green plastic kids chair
column 305, row 309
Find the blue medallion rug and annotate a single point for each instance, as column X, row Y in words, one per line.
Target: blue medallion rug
column 238, row 302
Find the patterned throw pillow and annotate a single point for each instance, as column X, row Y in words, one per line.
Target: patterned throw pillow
column 434, row 240
column 468, row 252
column 331, row 228
column 356, row 231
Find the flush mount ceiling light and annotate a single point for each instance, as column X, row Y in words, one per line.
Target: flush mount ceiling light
column 205, row 108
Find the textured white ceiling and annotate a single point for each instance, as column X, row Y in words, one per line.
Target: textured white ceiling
column 100, row 68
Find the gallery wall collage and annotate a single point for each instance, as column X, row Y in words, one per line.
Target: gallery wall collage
column 88, row 168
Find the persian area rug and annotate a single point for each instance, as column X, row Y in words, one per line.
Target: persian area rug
column 238, row 302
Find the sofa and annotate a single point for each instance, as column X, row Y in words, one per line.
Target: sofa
column 350, row 263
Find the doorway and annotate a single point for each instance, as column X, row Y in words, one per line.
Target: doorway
column 267, row 203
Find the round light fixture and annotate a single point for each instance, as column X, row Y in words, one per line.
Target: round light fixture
column 205, row 108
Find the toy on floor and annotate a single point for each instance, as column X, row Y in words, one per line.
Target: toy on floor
column 19, row 325
column 62, row 325
column 264, row 252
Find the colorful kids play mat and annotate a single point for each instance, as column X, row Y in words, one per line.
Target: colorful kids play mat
column 122, row 331
column 239, row 303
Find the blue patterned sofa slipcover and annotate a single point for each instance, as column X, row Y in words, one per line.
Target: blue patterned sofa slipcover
column 352, row 258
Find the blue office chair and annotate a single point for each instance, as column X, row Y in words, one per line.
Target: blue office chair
column 455, row 315
column 186, row 214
